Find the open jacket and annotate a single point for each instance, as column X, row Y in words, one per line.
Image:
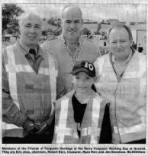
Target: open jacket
column 66, row 127
column 127, row 97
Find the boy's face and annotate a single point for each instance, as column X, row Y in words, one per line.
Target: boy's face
column 83, row 81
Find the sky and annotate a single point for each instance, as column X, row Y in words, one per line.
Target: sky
column 93, row 10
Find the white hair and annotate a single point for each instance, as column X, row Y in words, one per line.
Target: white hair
column 26, row 15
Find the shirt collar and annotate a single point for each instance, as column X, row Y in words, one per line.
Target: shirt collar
column 81, row 39
column 26, row 49
column 125, row 62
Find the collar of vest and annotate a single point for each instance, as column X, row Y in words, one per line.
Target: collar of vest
column 81, row 39
column 71, row 93
column 26, row 49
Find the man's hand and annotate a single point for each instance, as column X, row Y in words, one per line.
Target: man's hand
column 41, row 128
column 29, row 126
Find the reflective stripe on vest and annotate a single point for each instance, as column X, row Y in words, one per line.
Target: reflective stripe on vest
column 20, row 68
column 93, row 131
column 140, row 127
column 61, row 130
column 13, row 89
column 132, row 129
column 53, row 75
column 12, row 69
column 11, row 130
column 130, row 73
column 12, row 75
column 9, row 126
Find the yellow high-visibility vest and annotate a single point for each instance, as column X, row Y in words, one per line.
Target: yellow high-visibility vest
column 127, row 97
column 66, row 127
column 32, row 93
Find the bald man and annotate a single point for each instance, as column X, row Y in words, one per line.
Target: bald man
column 28, row 87
column 70, row 47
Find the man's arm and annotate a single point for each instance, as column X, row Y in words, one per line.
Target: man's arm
column 10, row 112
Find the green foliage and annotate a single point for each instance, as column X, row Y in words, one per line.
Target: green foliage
column 10, row 12
column 54, row 21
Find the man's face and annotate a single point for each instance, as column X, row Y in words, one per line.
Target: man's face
column 82, row 81
column 119, row 43
column 31, row 30
column 72, row 23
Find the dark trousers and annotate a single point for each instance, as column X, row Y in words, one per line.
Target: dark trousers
column 45, row 138
column 10, row 140
column 142, row 141
column 106, row 130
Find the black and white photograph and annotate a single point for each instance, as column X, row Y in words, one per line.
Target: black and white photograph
column 74, row 72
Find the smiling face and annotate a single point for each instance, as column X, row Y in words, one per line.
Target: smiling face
column 30, row 29
column 72, row 23
column 120, row 43
column 82, row 81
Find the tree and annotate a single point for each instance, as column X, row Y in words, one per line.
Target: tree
column 54, row 21
column 10, row 12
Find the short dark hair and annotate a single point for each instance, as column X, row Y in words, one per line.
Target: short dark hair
column 120, row 25
column 70, row 6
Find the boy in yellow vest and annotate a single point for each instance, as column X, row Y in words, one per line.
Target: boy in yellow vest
column 79, row 114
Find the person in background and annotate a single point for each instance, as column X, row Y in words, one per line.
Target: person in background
column 28, row 87
column 79, row 113
column 140, row 48
column 70, row 47
column 122, row 80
